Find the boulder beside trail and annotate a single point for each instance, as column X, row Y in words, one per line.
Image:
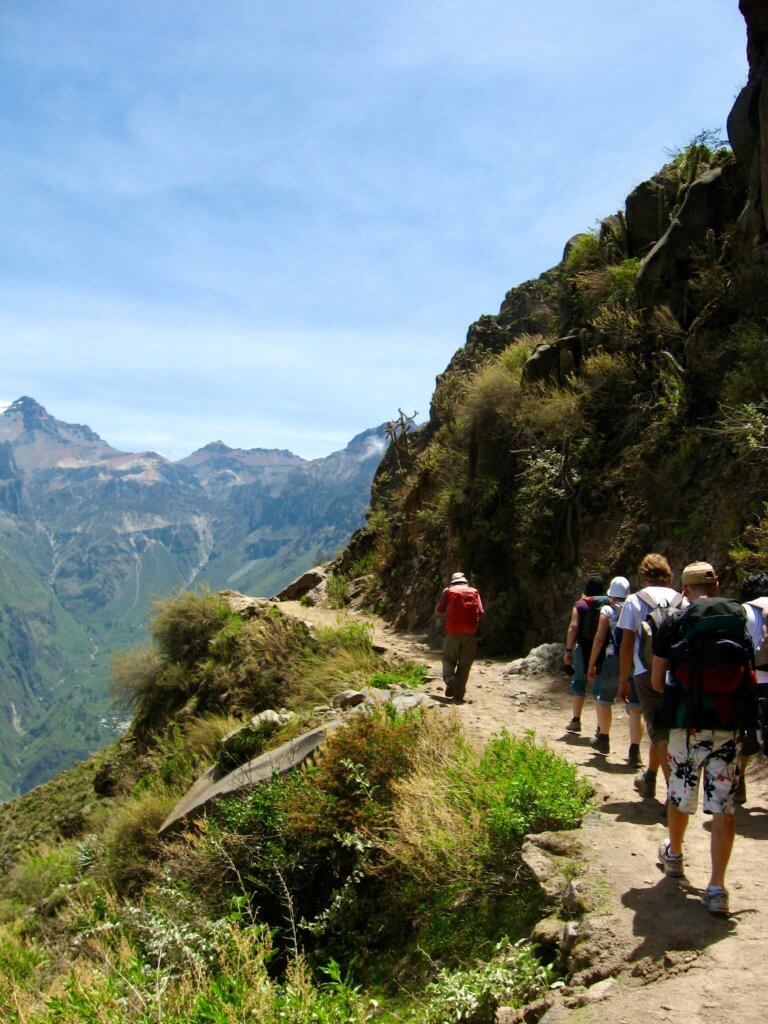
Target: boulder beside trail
column 302, row 585
column 547, row 659
column 243, row 605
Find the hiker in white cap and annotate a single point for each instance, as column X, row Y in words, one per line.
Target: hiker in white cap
column 607, row 643
column 461, row 605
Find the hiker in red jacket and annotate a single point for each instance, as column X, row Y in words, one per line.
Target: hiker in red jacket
column 461, row 605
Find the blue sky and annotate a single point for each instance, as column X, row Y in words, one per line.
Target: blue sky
column 271, row 222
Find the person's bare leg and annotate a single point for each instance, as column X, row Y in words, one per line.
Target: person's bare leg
column 653, row 759
column 721, row 845
column 604, row 717
column 664, row 762
column 677, row 823
column 578, row 705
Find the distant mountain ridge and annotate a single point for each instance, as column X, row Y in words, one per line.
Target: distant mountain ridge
column 91, row 535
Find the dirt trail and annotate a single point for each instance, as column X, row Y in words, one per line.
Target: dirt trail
column 673, row 961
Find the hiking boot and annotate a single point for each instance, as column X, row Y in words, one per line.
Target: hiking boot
column 601, row 743
column 716, row 901
column 645, row 785
column 574, row 725
column 633, row 757
column 672, row 862
column 740, row 796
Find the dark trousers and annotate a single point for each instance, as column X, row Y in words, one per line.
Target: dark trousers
column 458, row 654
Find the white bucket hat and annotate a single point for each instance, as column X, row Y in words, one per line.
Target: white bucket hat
column 619, row 587
column 458, row 577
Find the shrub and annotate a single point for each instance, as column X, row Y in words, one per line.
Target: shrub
column 619, row 327
column 472, row 995
column 337, row 590
column 39, row 872
column 746, row 375
column 551, row 414
column 184, row 625
column 131, row 842
column 607, row 385
column 492, row 397
column 585, row 254
column 523, row 787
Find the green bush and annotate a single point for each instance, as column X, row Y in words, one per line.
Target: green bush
column 471, row 996
column 523, row 787
column 585, row 254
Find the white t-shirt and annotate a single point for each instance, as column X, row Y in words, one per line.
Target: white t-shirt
column 611, row 613
column 756, row 626
column 636, row 611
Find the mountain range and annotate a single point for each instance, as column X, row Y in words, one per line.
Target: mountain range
column 90, row 536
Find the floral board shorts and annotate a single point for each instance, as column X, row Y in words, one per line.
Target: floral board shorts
column 715, row 755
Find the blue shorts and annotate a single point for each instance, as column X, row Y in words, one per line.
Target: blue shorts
column 579, row 677
column 606, row 685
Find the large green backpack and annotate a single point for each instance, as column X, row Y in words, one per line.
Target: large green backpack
column 712, row 661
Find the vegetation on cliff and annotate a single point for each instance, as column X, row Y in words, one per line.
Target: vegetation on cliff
column 390, row 865
column 601, row 413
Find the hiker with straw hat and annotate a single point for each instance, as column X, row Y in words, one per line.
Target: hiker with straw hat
column 461, row 605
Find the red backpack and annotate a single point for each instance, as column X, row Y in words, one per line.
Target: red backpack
column 463, row 615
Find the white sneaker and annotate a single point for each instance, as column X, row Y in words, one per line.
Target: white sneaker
column 673, row 863
column 716, row 900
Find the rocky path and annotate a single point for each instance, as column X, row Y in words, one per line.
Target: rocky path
column 672, row 961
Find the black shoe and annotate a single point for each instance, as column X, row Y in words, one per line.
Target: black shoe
column 601, row 743
column 645, row 785
column 634, row 760
column 574, row 725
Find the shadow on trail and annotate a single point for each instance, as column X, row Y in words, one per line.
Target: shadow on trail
column 752, row 823
column 636, row 812
column 669, row 916
column 599, row 762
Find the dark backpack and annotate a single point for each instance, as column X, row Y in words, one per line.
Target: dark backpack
column 588, row 619
column 712, row 660
column 649, row 628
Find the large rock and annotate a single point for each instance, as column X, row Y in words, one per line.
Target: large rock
column 647, row 214
column 243, row 605
column 302, row 585
column 547, row 659
column 711, row 202
column 748, row 120
column 217, row 782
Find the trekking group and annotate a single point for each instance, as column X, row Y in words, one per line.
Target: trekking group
column 691, row 666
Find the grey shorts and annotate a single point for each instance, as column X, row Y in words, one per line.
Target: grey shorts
column 650, row 703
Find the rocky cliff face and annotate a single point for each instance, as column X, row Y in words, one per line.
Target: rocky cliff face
column 90, row 536
column 615, row 405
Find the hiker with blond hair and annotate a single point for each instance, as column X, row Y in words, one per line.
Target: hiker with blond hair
column 606, row 644
column 703, row 665
column 461, row 605
column 640, row 619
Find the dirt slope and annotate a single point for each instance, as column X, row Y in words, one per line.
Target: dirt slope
column 671, row 959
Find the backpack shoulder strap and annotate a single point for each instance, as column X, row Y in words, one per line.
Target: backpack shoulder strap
column 648, row 599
